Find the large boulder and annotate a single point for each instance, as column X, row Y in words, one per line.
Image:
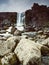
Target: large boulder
column 28, row 52
column 17, row 33
column 9, row 59
column 44, row 49
column 8, row 45
column 46, row 42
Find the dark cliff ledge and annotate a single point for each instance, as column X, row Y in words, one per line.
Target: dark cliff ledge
column 7, row 18
column 37, row 16
column 8, row 15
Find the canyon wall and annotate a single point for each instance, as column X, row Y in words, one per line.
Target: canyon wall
column 37, row 16
column 7, row 18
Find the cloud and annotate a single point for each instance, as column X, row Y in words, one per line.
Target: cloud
column 14, row 6
column 19, row 5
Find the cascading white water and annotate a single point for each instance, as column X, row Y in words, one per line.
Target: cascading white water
column 20, row 22
column 18, row 19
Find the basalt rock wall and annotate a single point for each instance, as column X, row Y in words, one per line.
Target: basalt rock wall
column 7, row 18
column 37, row 16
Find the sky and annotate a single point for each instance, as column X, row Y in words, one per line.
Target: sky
column 19, row 5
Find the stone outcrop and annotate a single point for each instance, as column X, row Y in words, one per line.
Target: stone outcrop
column 17, row 33
column 9, row 59
column 37, row 17
column 28, row 52
column 8, row 45
column 46, row 42
column 7, row 18
column 23, row 50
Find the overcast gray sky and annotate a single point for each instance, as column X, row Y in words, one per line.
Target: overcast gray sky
column 19, row 5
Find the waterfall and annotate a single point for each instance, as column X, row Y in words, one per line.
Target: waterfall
column 20, row 22
column 18, row 19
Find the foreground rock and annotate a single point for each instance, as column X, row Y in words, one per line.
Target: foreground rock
column 46, row 42
column 9, row 59
column 8, row 46
column 45, row 60
column 28, row 52
column 17, row 33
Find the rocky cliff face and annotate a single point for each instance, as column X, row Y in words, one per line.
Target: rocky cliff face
column 37, row 16
column 8, row 15
column 7, row 18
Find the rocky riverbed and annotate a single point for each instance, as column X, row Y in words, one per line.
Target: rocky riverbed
column 24, row 48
